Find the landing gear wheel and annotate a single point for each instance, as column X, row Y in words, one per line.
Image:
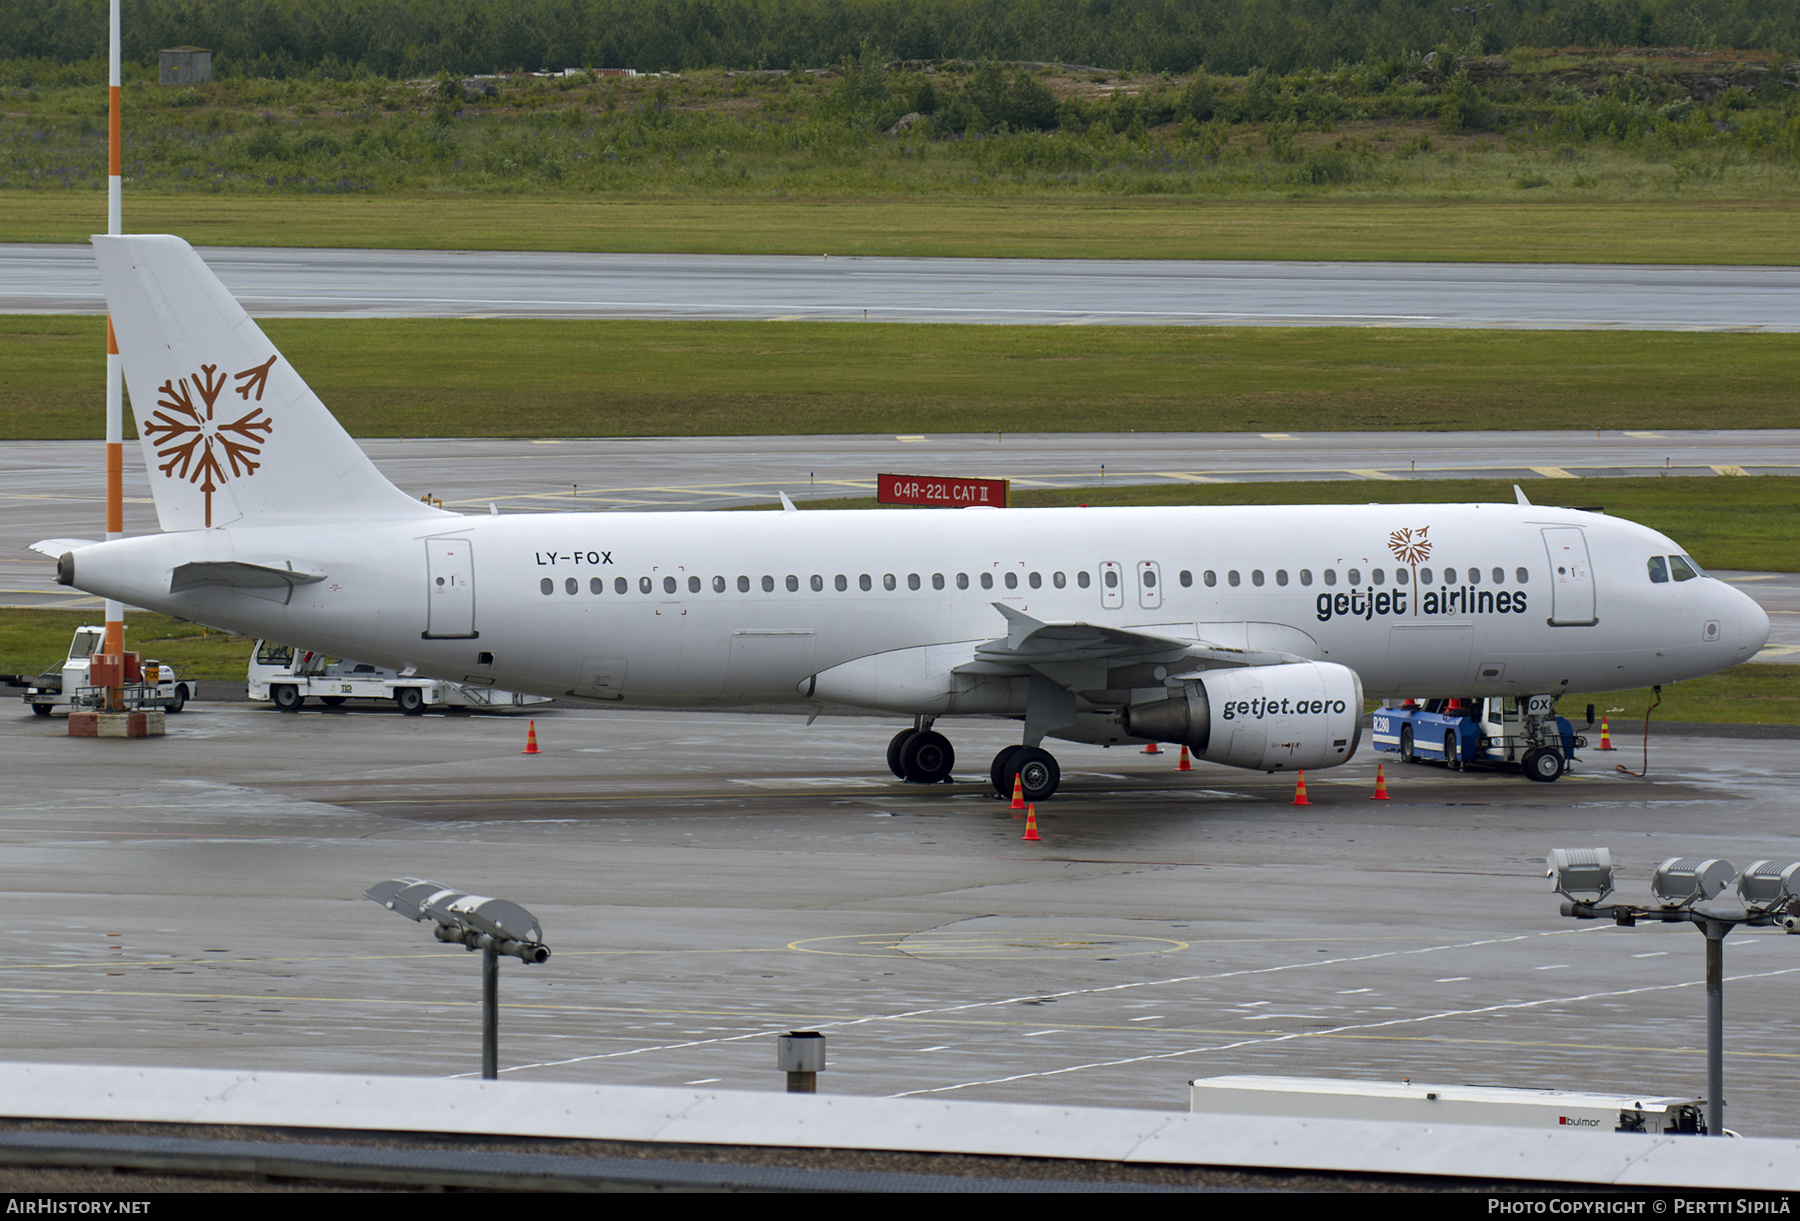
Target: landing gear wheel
column 287, row 698
column 180, row 700
column 333, row 701
column 1451, row 759
column 1406, row 745
column 998, row 775
column 1037, row 771
column 1543, row 764
column 41, row 709
column 894, row 748
column 927, row 758
column 410, row 700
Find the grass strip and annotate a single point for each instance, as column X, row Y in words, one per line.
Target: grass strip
column 562, row 378
column 32, row 641
column 1482, row 231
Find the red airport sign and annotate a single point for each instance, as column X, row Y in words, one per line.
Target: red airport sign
column 939, row 492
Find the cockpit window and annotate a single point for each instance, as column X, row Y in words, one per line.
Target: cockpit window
column 1683, row 568
column 1659, row 570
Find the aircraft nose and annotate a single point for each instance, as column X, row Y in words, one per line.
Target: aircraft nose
column 1753, row 626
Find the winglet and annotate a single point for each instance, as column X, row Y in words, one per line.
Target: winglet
column 1019, row 625
column 1520, row 493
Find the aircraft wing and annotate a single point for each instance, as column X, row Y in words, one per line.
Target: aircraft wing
column 1081, row 655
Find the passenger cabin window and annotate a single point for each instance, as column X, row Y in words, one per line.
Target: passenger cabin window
column 1449, row 576
column 571, row 585
column 817, row 582
column 743, row 584
column 1400, row 576
column 1059, row 580
column 1082, row 579
column 1256, row 577
column 1306, row 576
column 1474, row 576
column 840, row 582
column 547, row 585
column 1522, row 575
column 864, row 583
column 937, row 580
column 1112, row 579
column 668, row 585
column 1354, row 576
column 1037, row 582
column 693, row 585
column 793, row 583
column 1499, row 576
column 1212, row 578
column 1424, row 576
column 887, row 582
column 1187, row 579
column 962, row 580
column 1378, row 576
column 1012, row 580
column 987, row 580
column 1331, row 576
column 718, row 585
column 1281, row 576
column 1231, row 578
column 621, row 585
column 912, row 580
column 596, row 585
column 768, row 584
column 644, row 585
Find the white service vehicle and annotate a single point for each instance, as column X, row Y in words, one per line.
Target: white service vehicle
column 64, row 688
column 1410, row 1102
column 288, row 677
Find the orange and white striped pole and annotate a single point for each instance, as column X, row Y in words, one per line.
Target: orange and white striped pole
column 115, row 381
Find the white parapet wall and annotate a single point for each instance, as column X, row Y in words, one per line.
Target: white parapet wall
column 746, row 1118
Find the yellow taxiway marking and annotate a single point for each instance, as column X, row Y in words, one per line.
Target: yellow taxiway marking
column 1647, row 436
column 1189, row 478
column 906, row 438
column 983, row 945
column 1368, row 473
column 1553, row 472
column 1276, row 436
column 1730, row 470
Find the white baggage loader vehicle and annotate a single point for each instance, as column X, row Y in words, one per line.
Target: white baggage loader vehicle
column 288, row 677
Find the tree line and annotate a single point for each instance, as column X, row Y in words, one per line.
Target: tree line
column 338, row 39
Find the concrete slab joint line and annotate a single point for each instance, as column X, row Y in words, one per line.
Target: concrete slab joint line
column 640, row 1113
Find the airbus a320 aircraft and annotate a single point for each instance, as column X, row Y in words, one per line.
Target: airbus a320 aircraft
column 1250, row 634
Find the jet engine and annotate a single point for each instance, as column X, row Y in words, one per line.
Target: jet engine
column 1271, row 718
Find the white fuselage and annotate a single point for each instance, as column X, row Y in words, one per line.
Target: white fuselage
column 690, row 609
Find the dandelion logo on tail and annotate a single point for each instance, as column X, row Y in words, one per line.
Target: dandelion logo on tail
column 199, row 448
column 1411, row 548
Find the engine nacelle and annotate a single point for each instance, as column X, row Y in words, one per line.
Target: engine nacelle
column 1271, row 718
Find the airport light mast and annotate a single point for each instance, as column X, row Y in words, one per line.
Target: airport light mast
column 1688, row 888
column 115, row 378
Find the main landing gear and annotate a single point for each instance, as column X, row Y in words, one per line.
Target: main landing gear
column 921, row 755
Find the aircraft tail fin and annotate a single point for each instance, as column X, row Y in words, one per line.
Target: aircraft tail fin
column 232, row 435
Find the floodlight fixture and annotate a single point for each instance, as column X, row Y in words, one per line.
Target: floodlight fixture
column 1769, row 885
column 476, row 922
column 1582, row 875
column 1682, row 881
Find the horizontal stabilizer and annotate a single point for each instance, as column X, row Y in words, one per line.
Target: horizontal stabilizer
column 54, row 547
column 236, row 574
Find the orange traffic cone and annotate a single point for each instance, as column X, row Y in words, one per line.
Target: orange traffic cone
column 531, row 747
column 1186, row 765
column 1605, row 737
column 1031, row 825
column 1152, row 749
column 1018, row 801
column 1381, row 793
column 1300, row 791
